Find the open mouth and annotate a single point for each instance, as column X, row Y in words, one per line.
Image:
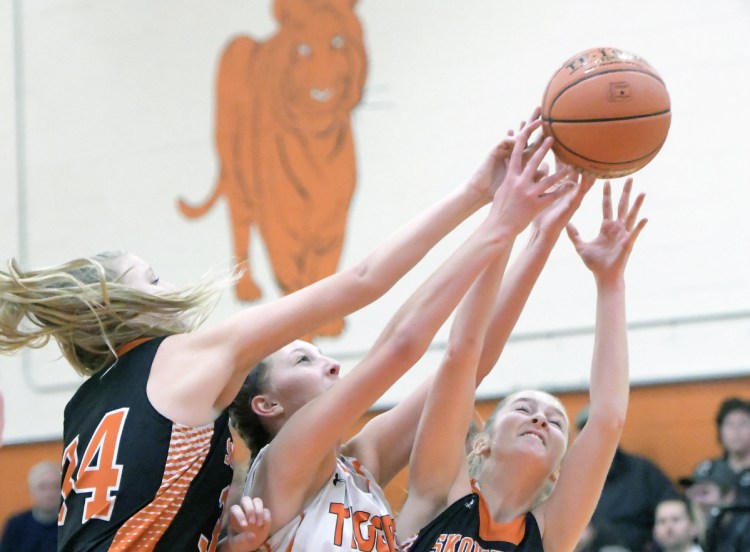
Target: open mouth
column 534, row 435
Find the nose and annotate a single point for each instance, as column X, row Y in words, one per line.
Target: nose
column 333, row 368
column 539, row 419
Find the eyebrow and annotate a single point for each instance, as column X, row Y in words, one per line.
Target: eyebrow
column 304, row 350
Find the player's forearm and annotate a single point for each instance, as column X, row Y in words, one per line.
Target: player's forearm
column 511, row 299
column 609, row 386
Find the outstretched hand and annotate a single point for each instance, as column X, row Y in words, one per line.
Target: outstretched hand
column 553, row 219
column 607, row 254
column 249, row 525
column 527, row 189
column 493, row 170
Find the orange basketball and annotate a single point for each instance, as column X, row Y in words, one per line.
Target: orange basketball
column 608, row 111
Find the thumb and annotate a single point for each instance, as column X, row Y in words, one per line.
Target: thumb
column 573, row 234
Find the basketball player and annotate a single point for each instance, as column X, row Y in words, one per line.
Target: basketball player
column 147, row 457
column 294, row 410
column 519, row 490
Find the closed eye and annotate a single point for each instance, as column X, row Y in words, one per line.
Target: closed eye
column 303, row 358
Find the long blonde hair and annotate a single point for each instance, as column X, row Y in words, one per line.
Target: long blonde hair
column 82, row 305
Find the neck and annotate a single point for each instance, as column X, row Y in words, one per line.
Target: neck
column 510, row 497
column 44, row 516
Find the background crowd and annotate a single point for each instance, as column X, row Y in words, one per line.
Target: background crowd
column 642, row 510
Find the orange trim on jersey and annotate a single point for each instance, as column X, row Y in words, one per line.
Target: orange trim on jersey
column 188, row 449
column 130, row 345
column 359, row 469
column 491, row 530
column 291, row 543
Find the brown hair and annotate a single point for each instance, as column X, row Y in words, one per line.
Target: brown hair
column 244, row 419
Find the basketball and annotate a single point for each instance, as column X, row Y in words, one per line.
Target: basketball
column 608, row 112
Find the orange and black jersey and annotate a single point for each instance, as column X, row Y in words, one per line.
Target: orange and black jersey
column 466, row 525
column 132, row 479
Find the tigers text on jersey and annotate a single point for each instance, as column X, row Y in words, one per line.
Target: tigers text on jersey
column 349, row 513
column 467, row 526
column 134, row 480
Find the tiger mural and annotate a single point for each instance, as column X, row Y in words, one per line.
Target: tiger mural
column 284, row 141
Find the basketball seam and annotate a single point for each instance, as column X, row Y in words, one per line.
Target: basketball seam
column 607, row 119
column 652, row 152
column 561, row 91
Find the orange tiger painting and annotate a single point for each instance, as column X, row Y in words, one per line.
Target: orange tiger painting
column 284, row 141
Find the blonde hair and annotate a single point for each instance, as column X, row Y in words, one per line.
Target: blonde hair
column 82, row 305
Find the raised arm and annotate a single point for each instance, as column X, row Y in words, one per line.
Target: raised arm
column 285, row 481
column 221, row 357
column 585, row 467
column 439, row 454
column 524, row 272
column 374, row 444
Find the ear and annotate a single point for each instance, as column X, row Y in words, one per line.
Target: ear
column 265, row 407
column 287, row 11
column 554, row 477
column 481, row 445
column 549, row 485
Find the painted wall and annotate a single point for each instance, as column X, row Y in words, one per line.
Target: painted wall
column 114, row 121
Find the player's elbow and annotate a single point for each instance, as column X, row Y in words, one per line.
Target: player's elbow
column 407, row 343
column 363, row 281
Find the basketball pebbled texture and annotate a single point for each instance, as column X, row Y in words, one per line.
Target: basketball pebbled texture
column 608, row 111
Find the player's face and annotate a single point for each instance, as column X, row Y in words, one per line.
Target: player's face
column 298, row 373
column 735, row 432
column 138, row 274
column 533, row 423
column 672, row 525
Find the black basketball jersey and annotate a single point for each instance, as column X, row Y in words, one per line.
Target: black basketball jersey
column 134, row 480
column 467, row 526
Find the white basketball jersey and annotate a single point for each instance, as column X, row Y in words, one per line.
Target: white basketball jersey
column 349, row 513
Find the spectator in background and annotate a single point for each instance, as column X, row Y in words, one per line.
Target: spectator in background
column 730, row 531
column 712, row 493
column 674, row 527
column 634, row 486
column 733, row 428
column 600, row 538
column 35, row 530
